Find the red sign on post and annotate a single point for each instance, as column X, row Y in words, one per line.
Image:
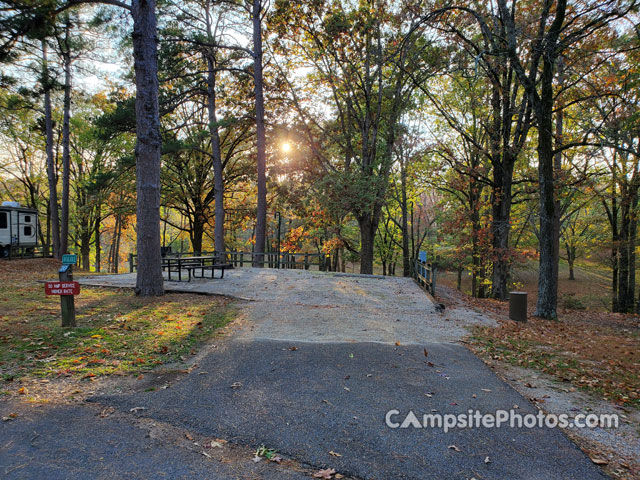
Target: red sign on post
column 62, row 288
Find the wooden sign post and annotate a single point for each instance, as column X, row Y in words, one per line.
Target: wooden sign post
column 67, row 304
column 66, row 288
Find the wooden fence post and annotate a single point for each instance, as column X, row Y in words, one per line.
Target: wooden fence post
column 433, row 279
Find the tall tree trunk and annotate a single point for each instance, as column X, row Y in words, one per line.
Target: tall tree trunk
column 116, row 251
column 547, row 279
column 218, row 180
column 476, row 260
column 48, row 239
column 85, row 247
column 557, row 167
column 615, row 255
column 197, row 231
column 501, row 225
column 149, row 279
column 571, row 259
column 367, row 235
column 503, row 164
column 613, row 221
column 547, row 303
column 96, row 236
column 111, row 261
column 633, row 231
column 261, row 213
column 406, row 253
column 623, row 262
column 64, row 214
column 51, row 163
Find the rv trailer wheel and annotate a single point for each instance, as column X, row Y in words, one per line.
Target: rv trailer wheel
column 4, row 252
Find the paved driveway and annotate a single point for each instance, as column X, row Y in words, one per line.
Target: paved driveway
column 312, row 371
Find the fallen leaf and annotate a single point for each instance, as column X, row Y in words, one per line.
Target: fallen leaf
column 215, row 444
column 454, row 448
column 397, row 344
column 205, row 454
column 426, row 354
column 599, row 461
column 236, row 385
column 23, row 391
column 334, row 454
column 137, row 409
column 327, row 473
column 188, row 436
column 487, row 460
column 256, row 459
column 485, row 389
column 106, row 412
column 293, row 349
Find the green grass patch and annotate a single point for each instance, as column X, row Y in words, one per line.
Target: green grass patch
column 117, row 333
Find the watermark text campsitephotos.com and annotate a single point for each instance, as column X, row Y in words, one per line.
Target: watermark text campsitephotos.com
column 498, row 419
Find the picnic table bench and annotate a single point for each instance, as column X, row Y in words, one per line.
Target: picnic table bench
column 192, row 269
column 192, row 264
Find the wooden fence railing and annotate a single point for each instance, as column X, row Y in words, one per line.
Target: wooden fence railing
column 39, row 251
column 425, row 275
column 301, row 261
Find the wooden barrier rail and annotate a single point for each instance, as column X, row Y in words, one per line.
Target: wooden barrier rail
column 301, row 261
column 425, row 275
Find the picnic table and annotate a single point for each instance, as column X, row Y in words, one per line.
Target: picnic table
column 192, row 264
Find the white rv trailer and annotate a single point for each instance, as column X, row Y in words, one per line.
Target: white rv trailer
column 18, row 228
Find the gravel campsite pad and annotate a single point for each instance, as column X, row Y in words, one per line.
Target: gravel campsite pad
column 328, row 307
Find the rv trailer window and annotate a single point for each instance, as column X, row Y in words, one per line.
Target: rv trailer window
column 27, row 219
column 27, row 231
column 3, row 220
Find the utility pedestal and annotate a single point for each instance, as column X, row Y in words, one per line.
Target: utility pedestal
column 518, row 306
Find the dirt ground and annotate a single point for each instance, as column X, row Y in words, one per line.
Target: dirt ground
column 591, row 289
